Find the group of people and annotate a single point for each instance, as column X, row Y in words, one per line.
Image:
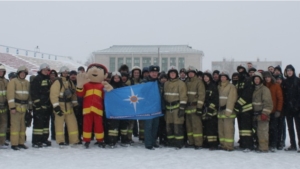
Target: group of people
column 199, row 109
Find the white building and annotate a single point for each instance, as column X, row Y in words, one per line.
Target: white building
column 180, row 56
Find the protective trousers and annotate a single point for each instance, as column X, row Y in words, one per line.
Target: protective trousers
column 194, row 129
column 17, row 128
column 130, row 129
column 174, row 126
column 262, row 132
column 71, row 123
column 141, row 129
column 3, row 126
column 245, row 120
column 226, row 133
column 91, row 120
column 210, row 132
column 41, row 119
column 113, row 130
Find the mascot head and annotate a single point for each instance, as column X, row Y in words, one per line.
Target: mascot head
column 96, row 72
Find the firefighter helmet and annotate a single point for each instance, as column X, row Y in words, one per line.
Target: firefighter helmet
column 44, row 66
column 22, row 69
column 64, row 69
column 192, row 69
column 173, row 69
column 224, row 73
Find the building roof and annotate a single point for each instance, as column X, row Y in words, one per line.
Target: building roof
column 148, row 49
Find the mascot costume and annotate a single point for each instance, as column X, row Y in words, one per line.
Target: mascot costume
column 90, row 86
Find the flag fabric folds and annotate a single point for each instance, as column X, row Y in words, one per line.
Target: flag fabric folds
column 141, row 101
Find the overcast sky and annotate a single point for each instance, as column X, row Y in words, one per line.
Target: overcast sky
column 232, row 30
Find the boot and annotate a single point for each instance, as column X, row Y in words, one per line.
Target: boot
column 37, row 145
column 22, row 146
column 15, row 148
column 101, row 144
column 47, row 143
column 291, row 148
column 86, row 144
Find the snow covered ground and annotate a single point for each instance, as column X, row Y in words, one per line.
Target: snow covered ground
column 137, row 156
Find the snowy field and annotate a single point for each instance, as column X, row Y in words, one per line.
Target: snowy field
column 137, row 156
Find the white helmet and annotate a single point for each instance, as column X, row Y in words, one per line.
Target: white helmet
column 44, row 66
column 64, row 69
column 2, row 67
column 115, row 73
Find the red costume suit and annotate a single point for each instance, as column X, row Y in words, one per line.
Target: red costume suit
column 93, row 95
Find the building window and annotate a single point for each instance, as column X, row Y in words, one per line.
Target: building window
column 181, row 63
column 155, row 59
column 172, row 61
column 129, row 63
column 146, row 61
column 164, row 64
column 120, row 62
column 112, row 64
column 136, row 62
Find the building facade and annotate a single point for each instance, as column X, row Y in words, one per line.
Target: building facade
column 231, row 65
column 180, row 56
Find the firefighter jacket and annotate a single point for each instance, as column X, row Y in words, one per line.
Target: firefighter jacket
column 175, row 94
column 195, row 92
column 93, row 95
column 211, row 103
column 245, row 89
column 262, row 100
column 3, row 100
column 18, row 95
column 60, row 97
column 40, row 91
column 227, row 99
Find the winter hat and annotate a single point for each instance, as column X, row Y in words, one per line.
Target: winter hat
column 291, row 67
column 73, row 72
column 252, row 69
column 278, row 68
column 216, row 71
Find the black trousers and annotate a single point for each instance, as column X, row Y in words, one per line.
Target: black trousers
column 41, row 119
column 290, row 118
column 210, row 132
column 273, row 130
column 245, row 121
column 281, row 131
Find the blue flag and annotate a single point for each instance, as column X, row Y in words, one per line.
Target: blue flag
column 140, row 101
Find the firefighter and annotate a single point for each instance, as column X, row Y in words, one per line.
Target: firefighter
column 244, row 110
column 53, row 76
column 216, row 77
column 175, row 102
column 262, row 106
column 209, row 117
column 63, row 99
column 182, row 74
column 19, row 103
column 40, row 95
column 3, row 107
column 226, row 114
column 196, row 97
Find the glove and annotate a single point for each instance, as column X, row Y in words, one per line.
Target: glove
column 180, row 113
column 58, row 111
column 199, row 112
column 28, row 119
column 277, row 114
column 256, row 113
column 264, row 117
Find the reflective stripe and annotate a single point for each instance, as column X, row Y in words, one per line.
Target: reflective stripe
column 223, row 97
column 99, row 135
column 172, row 107
column 11, row 101
column 93, row 109
column 197, row 135
column 211, row 105
column 182, row 102
column 245, row 133
column 59, row 133
column 229, row 110
column 14, row 133
column 170, row 137
column 257, row 103
column 172, row 94
column 2, row 134
column 44, row 83
column 266, row 110
column 247, row 107
column 190, row 111
column 61, row 94
column 191, row 93
column 200, row 102
column 3, row 93
column 74, row 102
column 37, row 100
column 189, row 134
column 22, row 92
column 55, row 104
column 241, row 101
column 228, row 140
column 225, row 117
column 87, row 134
column 179, row 137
